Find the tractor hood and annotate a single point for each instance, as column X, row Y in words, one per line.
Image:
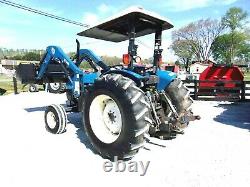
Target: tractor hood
column 116, row 28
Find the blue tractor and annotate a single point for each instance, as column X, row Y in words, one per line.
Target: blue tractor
column 119, row 104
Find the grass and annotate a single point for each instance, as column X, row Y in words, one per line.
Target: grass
column 4, row 77
column 6, row 83
column 247, row 76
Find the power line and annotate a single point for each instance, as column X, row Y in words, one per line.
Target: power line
column 23, row 7
column 20, row 6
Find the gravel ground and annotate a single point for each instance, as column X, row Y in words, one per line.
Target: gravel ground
column 214, row 151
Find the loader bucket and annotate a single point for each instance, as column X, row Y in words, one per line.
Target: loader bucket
column 26, row 73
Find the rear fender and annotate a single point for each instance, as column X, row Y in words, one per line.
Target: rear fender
column 129, row 74
column 165, row 78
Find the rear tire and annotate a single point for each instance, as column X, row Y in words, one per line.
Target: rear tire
column 180, row 98
column 115, row 117
column 55, row 119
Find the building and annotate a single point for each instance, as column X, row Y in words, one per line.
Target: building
column 196, row 68
column 11, row 64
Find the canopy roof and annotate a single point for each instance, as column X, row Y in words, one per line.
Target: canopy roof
column 116, row 28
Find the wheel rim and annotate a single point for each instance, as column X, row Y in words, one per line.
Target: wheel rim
column 51, row 120
column 32, row 88
column 55, row 85
column 105, row 118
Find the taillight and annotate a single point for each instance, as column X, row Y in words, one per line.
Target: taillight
column 126, row 59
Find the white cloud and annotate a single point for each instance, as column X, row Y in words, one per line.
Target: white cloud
column 7, row 38
column 182, row 5
column 103, row 11
column 227, row 2
column 90, row 18
column 103, row 8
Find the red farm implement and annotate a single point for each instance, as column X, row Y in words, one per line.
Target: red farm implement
column 220, row 80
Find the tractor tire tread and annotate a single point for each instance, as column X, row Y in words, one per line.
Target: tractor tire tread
column 135, row 101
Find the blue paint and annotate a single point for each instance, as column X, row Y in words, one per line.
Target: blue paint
column 55, row 52
column 89, row 78
column 165, row 78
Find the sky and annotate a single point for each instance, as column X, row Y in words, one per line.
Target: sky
column 20, row 29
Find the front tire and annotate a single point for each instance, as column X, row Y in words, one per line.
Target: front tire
column 55, row 119
column 115, row 117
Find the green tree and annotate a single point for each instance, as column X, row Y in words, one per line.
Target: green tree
column 111, row 60
column 17, row 57
column 71, row 54
column 234, row 19
column 243, row 53
column 31, row 56
column 1, row 53
column 222, row 45
column 184, row 51
column 85, row 65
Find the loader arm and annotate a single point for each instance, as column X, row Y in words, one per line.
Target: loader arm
column 56, row 53
column 86, row 54
column 56, row 66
